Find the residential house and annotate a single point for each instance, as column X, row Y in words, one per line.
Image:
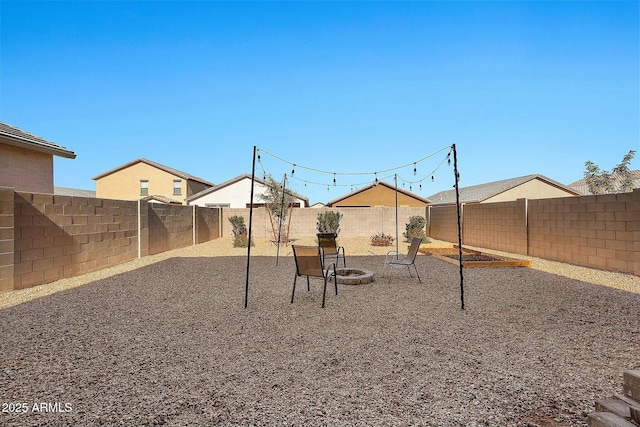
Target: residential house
column 525, row 187
column 236, row 193
column 581, row 185
column 26, row 160
column 379, row 194
column 142, row 178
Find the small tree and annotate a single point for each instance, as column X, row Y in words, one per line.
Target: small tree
column 603, row 182
column 329, row 222
column 415, row 228
column 240, row 232
column 273, row 201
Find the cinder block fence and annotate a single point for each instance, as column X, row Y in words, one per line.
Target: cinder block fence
column 600, row 231
column 45, row 237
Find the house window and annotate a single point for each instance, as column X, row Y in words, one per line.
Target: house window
column 177, row 187
column 144, row 187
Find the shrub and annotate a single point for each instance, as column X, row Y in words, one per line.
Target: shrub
column 240, row 232
column 382, row 239
column 415, row 228
column 329, row 222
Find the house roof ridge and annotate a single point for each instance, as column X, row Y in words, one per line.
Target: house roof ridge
column 386, row 184
column 481, row 192
column 157, row 165
column 20, row 137
column 237, row 179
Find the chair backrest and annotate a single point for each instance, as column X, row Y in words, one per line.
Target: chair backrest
column 327, row 241
column 308, row 260
column 413, row 249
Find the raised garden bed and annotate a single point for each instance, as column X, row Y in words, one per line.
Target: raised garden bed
column 472, row 258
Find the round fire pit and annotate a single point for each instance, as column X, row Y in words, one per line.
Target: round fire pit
column 354, row 276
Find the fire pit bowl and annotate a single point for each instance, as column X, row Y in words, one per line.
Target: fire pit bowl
column 354, row 276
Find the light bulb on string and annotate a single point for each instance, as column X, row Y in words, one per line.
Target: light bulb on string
column 294, row 169
column 415, row 170
column 420, row 186
column 432, row 178
column 410, row 188
column 334, row 178
column 376, row 174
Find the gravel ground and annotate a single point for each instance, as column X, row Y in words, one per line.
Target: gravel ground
column 166, row 341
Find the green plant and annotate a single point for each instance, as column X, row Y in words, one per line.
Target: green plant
column 604, row 182
column 329, row 222
column 415, row 228
column 382, row 239
column 240, row 232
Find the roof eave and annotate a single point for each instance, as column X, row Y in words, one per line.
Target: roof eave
column 34, row 146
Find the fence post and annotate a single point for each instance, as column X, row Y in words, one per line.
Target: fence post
column 7, row 244
column 193, row 225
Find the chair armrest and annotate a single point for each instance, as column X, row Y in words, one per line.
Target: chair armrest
column 396, row 254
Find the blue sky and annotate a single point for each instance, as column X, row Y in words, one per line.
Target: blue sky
column 519, row 87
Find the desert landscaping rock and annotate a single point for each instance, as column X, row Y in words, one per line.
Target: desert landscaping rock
column 166, row 341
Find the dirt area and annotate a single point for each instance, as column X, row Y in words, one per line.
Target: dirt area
column 170, row 343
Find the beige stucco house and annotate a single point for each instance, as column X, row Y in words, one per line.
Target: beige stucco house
column 525, row 187
column 26, row 160
column 143, row 178
column 379, row 194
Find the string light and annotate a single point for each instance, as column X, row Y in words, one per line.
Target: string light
column 353, row 185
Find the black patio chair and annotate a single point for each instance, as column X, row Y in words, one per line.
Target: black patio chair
column 310, row 263
column 331, row 250
column 395, row 259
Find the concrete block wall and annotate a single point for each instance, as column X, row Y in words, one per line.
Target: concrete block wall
column 500, row 226
column 63, row 236
column 44, row 237
column 601, row 231
column 356, row 222
column 208, row 226
column 598, row 231
column 170, row 227
column 443, row 223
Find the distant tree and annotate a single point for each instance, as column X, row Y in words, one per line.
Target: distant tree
column 603, row 182
column 272, row 199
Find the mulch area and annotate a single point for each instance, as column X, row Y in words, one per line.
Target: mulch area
column 171, row 344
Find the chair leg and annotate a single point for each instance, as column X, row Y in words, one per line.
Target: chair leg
column 324, row 291
column 294, row 287
column 417, row 274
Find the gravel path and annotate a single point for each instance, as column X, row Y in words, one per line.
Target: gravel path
column 166, row 341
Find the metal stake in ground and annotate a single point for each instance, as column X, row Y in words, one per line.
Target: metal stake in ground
column 253, row 178
column 455, row 172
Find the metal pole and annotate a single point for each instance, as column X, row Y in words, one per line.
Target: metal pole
column 455, row 172
column 253, row 176
column 395, row 178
